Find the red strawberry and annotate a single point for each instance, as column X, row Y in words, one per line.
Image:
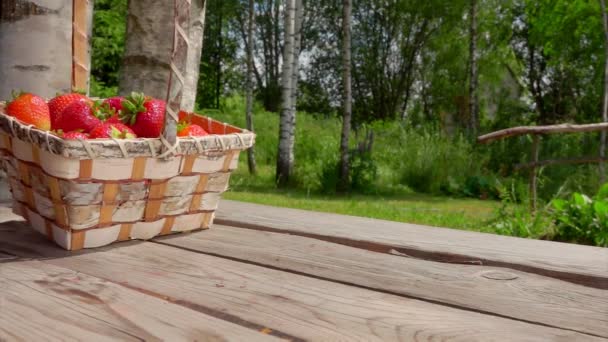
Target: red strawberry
column 112, row 130
column 190, row 130
column 60, row 102
column 75, row 135
column 145, row 115
column 115, row 103
column 81, row 115
column 30, row 109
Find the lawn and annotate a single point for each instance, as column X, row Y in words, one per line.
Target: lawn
column 401, row 206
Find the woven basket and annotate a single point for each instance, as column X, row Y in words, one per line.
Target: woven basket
column 90, row 193
column 126, row 191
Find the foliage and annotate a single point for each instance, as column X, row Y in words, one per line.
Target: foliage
column 582, row 219
column 108, row 43
column 514, row 218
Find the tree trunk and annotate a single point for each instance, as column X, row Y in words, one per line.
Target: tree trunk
column 149, row 38
column 249, row 104
column 285, row 156
column 297, row 43
column 218, row 59
column 197, row 29
column 346, row 97
column 473, row 75
column 602, row 168
column 31, row 58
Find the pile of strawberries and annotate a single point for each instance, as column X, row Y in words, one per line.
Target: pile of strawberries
column 75, row 116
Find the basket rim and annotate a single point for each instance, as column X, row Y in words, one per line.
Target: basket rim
column 240, row 140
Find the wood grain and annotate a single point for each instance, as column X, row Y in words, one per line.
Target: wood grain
column 575, row 263
column 41, row 302
column 514, row 294
column 294, row 305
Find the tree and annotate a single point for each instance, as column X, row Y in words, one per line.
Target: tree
column 605, row 97
column 32, row 59
column 347, row 96
column 473, row 74
column 197, row 29
column 249, row 100
column 285, row 158
column 145, row 64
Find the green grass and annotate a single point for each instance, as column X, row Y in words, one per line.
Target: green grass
column 401, row 206
column 405, row 159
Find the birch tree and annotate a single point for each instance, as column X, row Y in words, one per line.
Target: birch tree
column 197, row 29
column 295, row 70
column 346, row 95
column 473, row 74
column 145, row 64
column 249, row 104
column 602, row 167
column 285, row 158
column 35, row 47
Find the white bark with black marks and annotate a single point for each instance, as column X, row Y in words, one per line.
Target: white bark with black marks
column 602, row 167
column 473, row 72
column 249, row 102
column 197, row 29
column 31, row 58
column 346, row 95
column 149, row 37
column 285, row 157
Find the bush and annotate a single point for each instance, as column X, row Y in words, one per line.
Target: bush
column 514, row 218
column 582, row 219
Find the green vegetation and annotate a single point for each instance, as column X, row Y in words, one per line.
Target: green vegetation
column 413, row 152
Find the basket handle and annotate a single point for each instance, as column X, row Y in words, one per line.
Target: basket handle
column 82, row 13
column 175, row 87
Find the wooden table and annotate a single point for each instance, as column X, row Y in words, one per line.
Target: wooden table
column 264, row 273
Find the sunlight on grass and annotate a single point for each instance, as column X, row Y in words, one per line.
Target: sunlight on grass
column 401, row 206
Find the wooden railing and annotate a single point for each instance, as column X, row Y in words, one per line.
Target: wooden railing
column 537, row 132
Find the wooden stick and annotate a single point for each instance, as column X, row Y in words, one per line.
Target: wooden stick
column 548, row 162
column 534, row 157
column 551, row 129
column 179, row 58
column 82, row 11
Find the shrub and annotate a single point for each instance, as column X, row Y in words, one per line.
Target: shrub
column 582, row 219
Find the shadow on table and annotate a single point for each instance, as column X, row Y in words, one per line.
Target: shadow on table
column 18, row 242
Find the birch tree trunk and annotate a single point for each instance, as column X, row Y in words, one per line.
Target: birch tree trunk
column 249, row 104
column 602, row 167
column 197, row 29
column 346, row 97
column 35, row 47
column 285, row 156
column 295, row 70
column 149, row 38
column 473, row 75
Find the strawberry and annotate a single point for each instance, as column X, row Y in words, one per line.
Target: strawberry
column 115, row 102
column 60, row 102
column 83, row 116
column 75, row 135
column 30, row 109
column 145, row 115
column 112, row 130
column 190, row 130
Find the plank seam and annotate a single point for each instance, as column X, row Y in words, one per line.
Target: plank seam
column 431, row 301
column 443, row 257
column 199, row 308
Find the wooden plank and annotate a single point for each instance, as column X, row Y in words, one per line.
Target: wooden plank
column 296, row 306
column 41, row 302
column 503, row 292
column 575, row 263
